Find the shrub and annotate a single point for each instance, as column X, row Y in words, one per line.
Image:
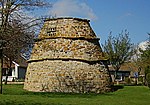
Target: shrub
column 128, row 80
column 147, row 70
column 148, row 79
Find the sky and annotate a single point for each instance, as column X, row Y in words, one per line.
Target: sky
column 108, row 16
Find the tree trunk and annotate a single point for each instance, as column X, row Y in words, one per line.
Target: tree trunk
column 1, row 75
column 106, row 66
column 7, row 71
column 115, row 74
column 6, row 77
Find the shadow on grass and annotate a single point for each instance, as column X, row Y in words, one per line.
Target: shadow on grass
column 117, row 87
column 18, row 90
column 66, row 95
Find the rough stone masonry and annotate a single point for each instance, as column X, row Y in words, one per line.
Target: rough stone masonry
column 67, row 57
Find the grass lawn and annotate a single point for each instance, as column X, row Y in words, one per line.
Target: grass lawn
column 129, row 95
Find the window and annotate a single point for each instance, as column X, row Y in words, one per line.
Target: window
column 51, row 31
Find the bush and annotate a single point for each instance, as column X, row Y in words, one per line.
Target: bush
column 128, row 80
column 147, row 70
column 148, row 79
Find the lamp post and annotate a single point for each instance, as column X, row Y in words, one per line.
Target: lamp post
column 1, row 63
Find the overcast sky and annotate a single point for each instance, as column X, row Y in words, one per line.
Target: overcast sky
column 108, row 15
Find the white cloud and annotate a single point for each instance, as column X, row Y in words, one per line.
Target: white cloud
column 126, row 15
column 73, row 8
column 144, row 45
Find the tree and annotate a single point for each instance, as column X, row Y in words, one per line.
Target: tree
column 1, row 63
column 144, row 61
column 14, row 21
column 17, row 39
column 148, row 79
column 16, row 28
column 145, row 56
column 119, row 49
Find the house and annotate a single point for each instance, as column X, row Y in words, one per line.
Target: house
column 17, row 71
column 127, row 70
column 120, row 75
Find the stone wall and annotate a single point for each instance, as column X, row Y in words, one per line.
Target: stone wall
column 66, row 76
column 67, row 57
column 68, row 28
column 67, row 49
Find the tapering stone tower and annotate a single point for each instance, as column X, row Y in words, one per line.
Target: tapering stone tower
column 67, row 57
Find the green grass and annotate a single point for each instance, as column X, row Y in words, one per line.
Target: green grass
column 129, row 95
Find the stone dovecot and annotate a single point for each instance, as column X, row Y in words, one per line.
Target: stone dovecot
column 67, row 57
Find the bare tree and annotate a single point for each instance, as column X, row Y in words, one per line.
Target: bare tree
column 16, row 28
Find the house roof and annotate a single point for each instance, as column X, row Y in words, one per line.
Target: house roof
column 129, row 66
column 20, row 61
